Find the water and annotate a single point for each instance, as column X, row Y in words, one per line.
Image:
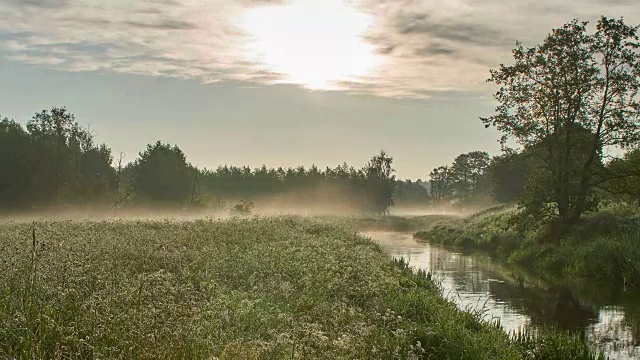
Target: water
column 610, row 319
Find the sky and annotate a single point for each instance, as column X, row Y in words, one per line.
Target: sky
column 276, row 82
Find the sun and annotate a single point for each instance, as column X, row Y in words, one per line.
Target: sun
column 315, row 43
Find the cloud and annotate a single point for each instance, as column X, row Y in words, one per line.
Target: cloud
column 450, row 46
column 478, row 34
column 38, row 3
column 164, row 24
column 436, row 49
column 427, row 46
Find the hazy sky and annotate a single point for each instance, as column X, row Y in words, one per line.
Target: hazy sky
column 276, row 82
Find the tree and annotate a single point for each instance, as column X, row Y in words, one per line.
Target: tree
column 467, row 173
column 380, row 182
column 410, row 192
column 162, row 175
column 441, row 183
column 509, row 176
column 573, row 83
column 623, row 176
column 15, row 165
column 54, row 160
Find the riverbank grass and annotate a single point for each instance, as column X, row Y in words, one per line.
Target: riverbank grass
column 604, row 247
column 261, row 288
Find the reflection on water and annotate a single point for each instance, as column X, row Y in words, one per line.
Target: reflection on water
column 609, row 320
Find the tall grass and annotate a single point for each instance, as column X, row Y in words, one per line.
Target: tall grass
column 262, row 288
column 552, row 344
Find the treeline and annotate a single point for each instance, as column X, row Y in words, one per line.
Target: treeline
column 54, row 161
column 465, row 180
column 162, row 175
column 476, row 177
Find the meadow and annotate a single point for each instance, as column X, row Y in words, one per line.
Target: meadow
column 259, row 288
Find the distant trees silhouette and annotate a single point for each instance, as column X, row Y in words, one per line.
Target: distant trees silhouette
column 466, row 179
column 53, row 161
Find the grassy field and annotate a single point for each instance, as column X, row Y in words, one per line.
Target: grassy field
column 604, row 247
column 261, row 288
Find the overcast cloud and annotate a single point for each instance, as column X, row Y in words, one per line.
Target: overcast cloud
column 428, row 46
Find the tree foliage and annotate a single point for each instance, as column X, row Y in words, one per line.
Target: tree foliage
column 53, row 160
column 623, row 176
column 408, row 192
column 464, row 180
column 441, row 183
column 162, row 175
column 508, row 174
column 380, row 182
column 468, row 172
column 574, row 83
column 15, row 165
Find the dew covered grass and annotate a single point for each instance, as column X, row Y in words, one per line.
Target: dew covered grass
column 260, row 288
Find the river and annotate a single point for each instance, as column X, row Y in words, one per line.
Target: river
column 610, row 319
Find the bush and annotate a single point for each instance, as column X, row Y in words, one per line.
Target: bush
column 244, row 208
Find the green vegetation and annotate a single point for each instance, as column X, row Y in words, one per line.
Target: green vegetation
column 603, row 247
column 52, row 160
column 238, row 289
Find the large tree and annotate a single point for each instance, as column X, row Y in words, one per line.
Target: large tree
column 575, row 82
column 54, row 160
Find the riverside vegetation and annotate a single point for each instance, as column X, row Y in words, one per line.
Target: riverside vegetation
column 283, row 287
column 565, row 103
column 604, row 247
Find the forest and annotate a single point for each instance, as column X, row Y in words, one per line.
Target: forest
column 54, row 161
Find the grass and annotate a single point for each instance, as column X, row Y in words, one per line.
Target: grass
column 260, row 288
column 604, row 247
column 389, row 223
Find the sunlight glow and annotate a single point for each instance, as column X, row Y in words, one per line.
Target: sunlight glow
column 314, row 43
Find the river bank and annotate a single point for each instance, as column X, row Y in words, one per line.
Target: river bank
column 240, row 288
column 609, row 320
column 603, row 248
